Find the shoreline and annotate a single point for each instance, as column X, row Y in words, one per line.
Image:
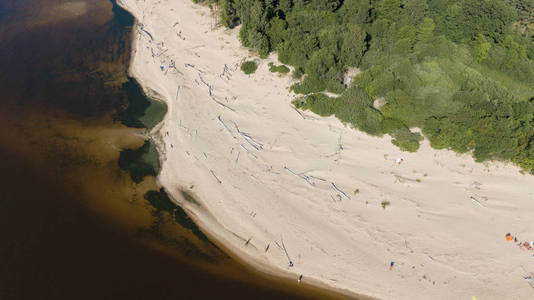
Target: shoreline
column 343, row 241
column 246, row 261
column 271, row 273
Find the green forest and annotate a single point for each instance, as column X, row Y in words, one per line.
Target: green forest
column 460, row 70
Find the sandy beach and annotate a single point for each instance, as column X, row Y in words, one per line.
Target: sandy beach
column 310, row 190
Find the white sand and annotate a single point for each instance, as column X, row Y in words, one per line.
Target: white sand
column 444, row 245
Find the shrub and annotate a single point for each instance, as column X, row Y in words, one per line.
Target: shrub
column 318, row 103
column 249, row 67
column 405, row 139
column 297, row 74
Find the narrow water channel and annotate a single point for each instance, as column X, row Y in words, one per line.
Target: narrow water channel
column 81, row 214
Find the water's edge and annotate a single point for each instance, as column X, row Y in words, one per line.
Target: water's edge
column 273, row 274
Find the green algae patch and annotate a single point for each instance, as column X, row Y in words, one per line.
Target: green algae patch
column 140, row 162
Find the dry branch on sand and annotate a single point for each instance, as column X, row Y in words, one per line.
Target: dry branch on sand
column 257, row 145
column 303, row 176
column 337, row 189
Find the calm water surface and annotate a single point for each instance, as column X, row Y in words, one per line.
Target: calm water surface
column 73, row 224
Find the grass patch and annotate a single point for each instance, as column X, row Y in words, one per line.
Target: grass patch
column 356, row 191
column 385, row 204
column 282, row 69
column 249, row 67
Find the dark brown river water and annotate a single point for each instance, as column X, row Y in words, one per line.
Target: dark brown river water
column 73, row 224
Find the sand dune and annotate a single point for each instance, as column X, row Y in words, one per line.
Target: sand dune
column 266, row 172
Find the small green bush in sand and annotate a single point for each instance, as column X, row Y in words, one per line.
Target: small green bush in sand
column 282, row 69
column 356, row 191
column 249, row 67
column 385, row 203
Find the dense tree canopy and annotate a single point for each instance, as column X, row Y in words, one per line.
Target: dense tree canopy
column 461, row 70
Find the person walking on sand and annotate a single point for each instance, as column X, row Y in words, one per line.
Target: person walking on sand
column 391, row 265
column 399, row 161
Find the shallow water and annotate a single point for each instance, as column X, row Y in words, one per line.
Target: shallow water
column 73, row 224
